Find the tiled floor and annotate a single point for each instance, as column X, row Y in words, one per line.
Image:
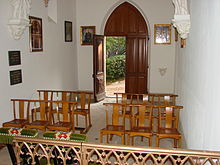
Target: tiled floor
column 98, row 122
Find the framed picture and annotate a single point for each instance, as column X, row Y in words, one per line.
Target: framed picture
column 162, row 33
column 15, row 77
column 68, row 31
column 86, row 35
column 14, row 58
column 36, row 35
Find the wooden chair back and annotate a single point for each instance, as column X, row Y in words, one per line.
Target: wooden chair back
column 139, row 115
column 163, row 98
column 169, row 116
column 113, row 113
column 63, row 110
column 40, row 106
column 20, row 108
column 132, row 98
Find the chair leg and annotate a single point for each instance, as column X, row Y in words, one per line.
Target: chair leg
column 180, row 142
column 101, row 137
column 86, row 123
column 123, row 139
column 175, row 143
column 150, row 141
column 77, row 120
column 132, row 140
column 90, row 123
column 111, row 137
column 107, row 139
column 128, row 139
column 157, row 141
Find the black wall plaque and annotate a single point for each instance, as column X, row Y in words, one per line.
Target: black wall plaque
column 15, row 77
column 14, row 58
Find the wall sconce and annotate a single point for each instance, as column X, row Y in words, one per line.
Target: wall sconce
column 162, row 71
column 46, row 2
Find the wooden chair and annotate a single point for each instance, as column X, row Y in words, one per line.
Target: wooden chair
column 131, row 98
column 168, row 124
column 64, row 116
column 21, row 107
column 83, row 107
column 40, row 121
column 141, row 127
column 117, row 126
column 43, row 95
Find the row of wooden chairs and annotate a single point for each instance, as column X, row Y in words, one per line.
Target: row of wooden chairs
column 52, row 106
column 142, row 124
column 149, row 98
column 83, row 99
column 22, row 107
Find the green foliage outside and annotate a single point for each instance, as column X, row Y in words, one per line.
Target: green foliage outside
column 115, row 46
column 115, row 62
column 115, row 68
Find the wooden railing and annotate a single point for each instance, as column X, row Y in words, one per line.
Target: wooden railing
column 64, row 152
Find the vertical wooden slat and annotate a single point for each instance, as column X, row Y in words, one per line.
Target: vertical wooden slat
column 83, row 100
column 169, row 118
column 115, row 115
column 21, row 109
column 14, row 109
column 64, row 96
column 42, row 111
column 65, row 107
column 141, row 118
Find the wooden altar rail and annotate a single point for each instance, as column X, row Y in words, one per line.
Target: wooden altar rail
column 86, row 153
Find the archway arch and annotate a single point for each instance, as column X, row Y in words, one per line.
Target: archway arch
column 126, row 20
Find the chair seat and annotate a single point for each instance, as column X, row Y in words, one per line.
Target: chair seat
column 140, row 130
column 61, row 124
column 39, row 123
column 15, row 123
column 113, row 128
column 165, row 131
column 81, row 111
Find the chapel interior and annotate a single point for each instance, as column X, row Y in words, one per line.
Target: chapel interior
column 188, row 66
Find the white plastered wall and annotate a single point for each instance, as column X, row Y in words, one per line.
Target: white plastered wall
column 197, row 77
column 54, row 68
column 95, row 13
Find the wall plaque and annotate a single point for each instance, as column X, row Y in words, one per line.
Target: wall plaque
column 15, row 77
column 14, row 58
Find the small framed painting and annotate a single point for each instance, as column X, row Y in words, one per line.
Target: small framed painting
column 36, row 35
column 86, row 35
column 68, row 31
column 14, row 58
column 15, row 77
column 162, row 34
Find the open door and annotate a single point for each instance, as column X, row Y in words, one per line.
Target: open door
column 98, row 67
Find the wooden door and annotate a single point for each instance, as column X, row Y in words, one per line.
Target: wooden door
column 136, row 64
column 126, row 20
column 98, row 68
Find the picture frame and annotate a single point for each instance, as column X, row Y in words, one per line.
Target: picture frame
column 36, row 34
column 68, row 31
column 14, row 58
column 86, row 35
column 15, row 77
column 162, row 34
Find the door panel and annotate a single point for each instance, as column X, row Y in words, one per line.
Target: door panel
column 136, row 64
column 98, row 68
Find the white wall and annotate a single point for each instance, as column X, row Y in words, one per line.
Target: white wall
column 197, row 78
column 54, row 68
column 96, row 12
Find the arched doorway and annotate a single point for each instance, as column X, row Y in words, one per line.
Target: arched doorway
column 127, row 21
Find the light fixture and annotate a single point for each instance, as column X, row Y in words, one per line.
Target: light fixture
column 46, row 2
